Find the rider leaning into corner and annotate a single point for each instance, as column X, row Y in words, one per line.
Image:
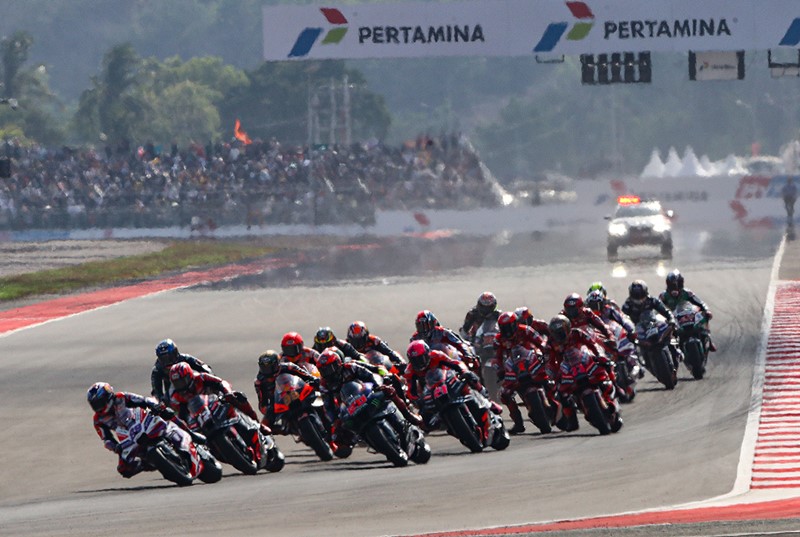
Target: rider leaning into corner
column 436, row 336
column 167, row 355
column 359, row 337
column 676, row 293
column 639, row 301
column 270, row 366
column 110, row 410
column 422, row 359
column 187, row 383
column 512, row 334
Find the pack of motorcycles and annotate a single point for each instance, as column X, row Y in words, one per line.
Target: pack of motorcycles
column 217, row 432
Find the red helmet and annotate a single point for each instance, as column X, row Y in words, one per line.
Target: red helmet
column 487, row 303
column 524, row 315
column 357, row 335
column 573, row 305
column 181, row 376
column 507, row 322
column 426, row 321
column 292, row 344
column 330, row 363
column 419, row 355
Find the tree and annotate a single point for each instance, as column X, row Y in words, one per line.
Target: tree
column 114, row 106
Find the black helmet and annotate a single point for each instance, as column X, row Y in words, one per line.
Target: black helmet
column 637, row 291
column 324, row 337
column 487, row 303
column 268, row 362
column 674, row 282
column 559, row 328
column 167, row 353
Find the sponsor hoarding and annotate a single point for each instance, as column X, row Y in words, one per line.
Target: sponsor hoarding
column 526, row 27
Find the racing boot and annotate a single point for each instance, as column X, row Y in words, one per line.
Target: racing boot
column 519, row 424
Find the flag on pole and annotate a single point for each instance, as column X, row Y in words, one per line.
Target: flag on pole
column 240, row 134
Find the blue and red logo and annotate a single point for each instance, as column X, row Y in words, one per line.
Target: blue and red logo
column 580, row 29
column 792, row 37
column 308, row 37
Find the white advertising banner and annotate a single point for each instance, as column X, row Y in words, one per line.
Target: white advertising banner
column 526, row 27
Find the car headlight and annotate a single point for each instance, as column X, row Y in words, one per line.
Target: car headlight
column 617, row 229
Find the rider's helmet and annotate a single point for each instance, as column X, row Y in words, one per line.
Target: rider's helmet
column 674, row 283
column 598, row 286
column 507, row 322
column 559, row 328
column 595, row 301
column 426, row 322
column 167, row 353
column 330, row 364
column 419, row 355
column 358, row 335
column 524, row 315
column 637, row 292
column 487, row 303
column 100, row 396
column 181, row 376
column 573, row 305
column 268, row 362
column 324, row 337
column 292, row 344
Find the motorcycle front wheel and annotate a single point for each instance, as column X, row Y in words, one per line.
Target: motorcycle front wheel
column 694, row 358
column 233, row 455
column 386, row 442
column 537, row 411
column 312, row 436
column 594, row 412
column 171, row 465
column 463, row 428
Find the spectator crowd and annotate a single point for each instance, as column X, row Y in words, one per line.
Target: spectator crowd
column 261, row 183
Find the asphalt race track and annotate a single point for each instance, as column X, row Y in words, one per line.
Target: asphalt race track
column 676, row 447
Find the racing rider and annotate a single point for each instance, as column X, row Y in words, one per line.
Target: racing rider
column 167, row 355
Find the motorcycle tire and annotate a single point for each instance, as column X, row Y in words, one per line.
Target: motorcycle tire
column 624, row 381
column 594, row 413
column 422, row 454
column 382, row 438
column 233, row 455
column 463, row 428
column 665, row 373
column 212, row 469
column 275, row 460
column 694, row 358
column 537, row 411
column 312, row 436
column 500, row 437
column 171, row 464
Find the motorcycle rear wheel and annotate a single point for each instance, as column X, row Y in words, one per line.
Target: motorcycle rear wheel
column 171, row 465
column 462, row 429
column 212, row 469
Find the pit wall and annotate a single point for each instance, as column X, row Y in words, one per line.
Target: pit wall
column 709, row 203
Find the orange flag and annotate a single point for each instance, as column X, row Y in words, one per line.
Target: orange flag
column 240, row 134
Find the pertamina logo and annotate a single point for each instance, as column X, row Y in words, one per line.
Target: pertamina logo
column 308, row 37
column 554, row 32
column 792, row 37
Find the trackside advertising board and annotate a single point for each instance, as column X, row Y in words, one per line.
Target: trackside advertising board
column 525, row 27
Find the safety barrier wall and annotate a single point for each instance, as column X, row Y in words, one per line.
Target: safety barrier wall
column 709, row 203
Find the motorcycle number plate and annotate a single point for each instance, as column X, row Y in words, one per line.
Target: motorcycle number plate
column 203, row 417
column 356, row 404
column 440, row 391
column 135, row 431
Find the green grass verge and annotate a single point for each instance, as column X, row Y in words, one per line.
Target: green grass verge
column 174, row 257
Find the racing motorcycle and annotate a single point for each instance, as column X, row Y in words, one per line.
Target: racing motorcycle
column 655, row 337
column 693, row 337
column 298, row 411
column 582, row 379
column 234, row 438
column 148, row 437
column 483, row 343
column 627, row 367
column 525, row 370
column 370, row 416
column 465, row 413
